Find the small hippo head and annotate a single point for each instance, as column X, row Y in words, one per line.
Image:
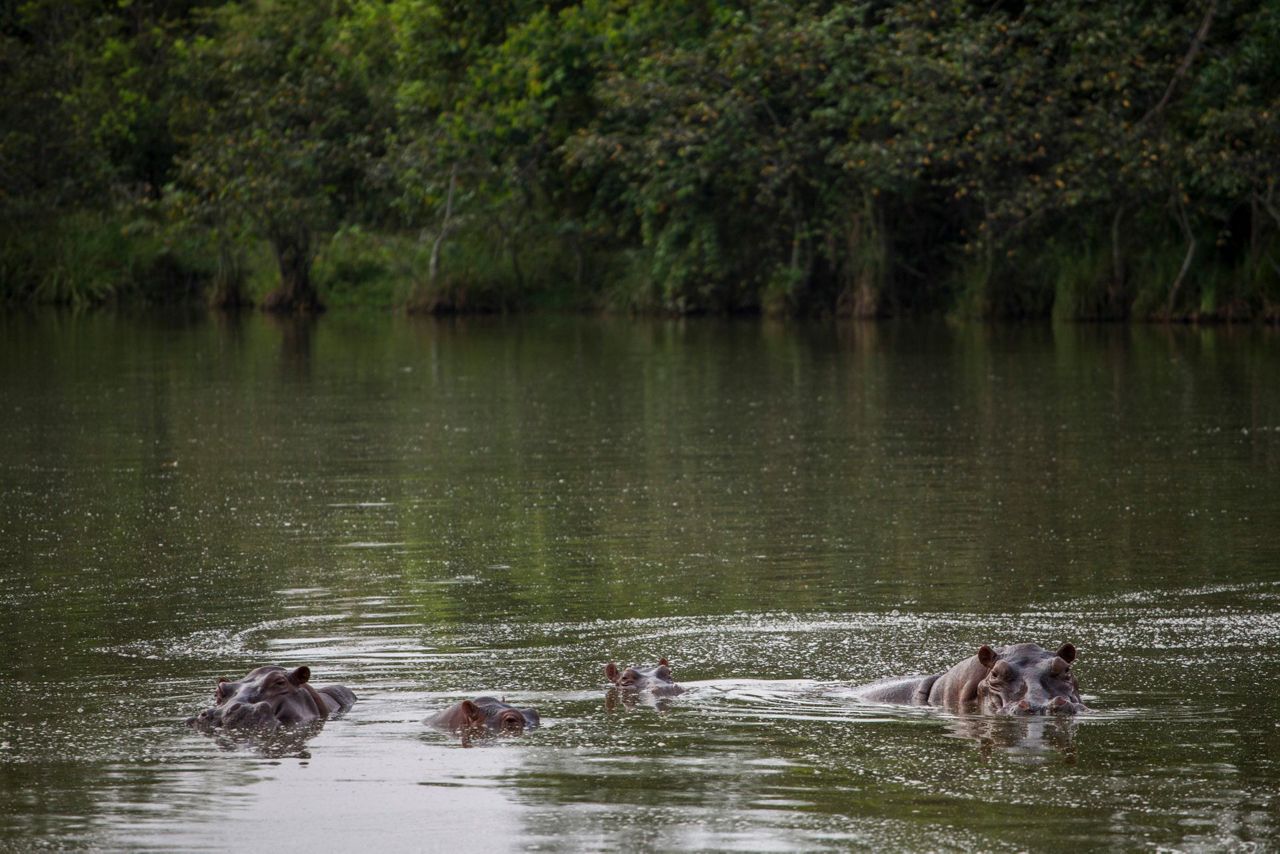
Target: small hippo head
column 498, row 716
column 485, row 714
column 264, row 699
column 1026, row 679
column 655, row 679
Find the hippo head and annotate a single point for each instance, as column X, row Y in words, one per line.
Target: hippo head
column 655, row 679
column 497, row 716
column 1026, row 679
column 485, row 714
column 264, row 699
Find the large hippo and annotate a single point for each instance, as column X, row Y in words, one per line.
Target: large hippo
column 656, row 680
column 1022, row 679
column 271, row 696
column 484, row 713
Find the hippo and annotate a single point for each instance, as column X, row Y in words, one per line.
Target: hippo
column 656, row 680
column 271, row 696
column 485, row 713
column 1022, row 679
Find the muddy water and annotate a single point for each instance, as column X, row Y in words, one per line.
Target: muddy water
column 431, row 511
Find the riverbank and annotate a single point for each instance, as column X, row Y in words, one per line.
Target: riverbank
column 89, row 261
column 1005, row 161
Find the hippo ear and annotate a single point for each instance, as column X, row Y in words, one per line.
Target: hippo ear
column 474, row 716
column 662, row 662
column 301, row 675
column 986, row 656
column 1067, row 652
column 611, row 672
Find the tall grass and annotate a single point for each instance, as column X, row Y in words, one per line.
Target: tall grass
column 89, row 258
column 1075, row 277
column 1009, row 285
column 1084, row 280
column 486, row 270
column 357, row 268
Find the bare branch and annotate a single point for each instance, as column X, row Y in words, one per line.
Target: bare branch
column 1117, row 257
column 1197, row 42
column 445, row 225
column 1267, row 206
column 1181, row 214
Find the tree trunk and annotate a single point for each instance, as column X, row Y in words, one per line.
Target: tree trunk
column 296, row 293
column 445, row 224
column 1190, row 236
column 1116, row 303
column 228, row 281
column 515, row 263
column 865, row 252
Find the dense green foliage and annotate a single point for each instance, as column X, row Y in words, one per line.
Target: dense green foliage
column 1095, row 160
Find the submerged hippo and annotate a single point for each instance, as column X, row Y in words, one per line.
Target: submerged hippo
column 484, row 713
column 1022, row 679
column 656, row 680
column 271, row 696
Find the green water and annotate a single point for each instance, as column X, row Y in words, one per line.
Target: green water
column 426, row 511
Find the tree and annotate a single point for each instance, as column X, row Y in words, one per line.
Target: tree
column 285, row 113
column 84, row 117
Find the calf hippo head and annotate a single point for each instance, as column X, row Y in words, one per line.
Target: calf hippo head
column 265, row 699
column 1026, row 679
column 485, row 714
column 655, row 679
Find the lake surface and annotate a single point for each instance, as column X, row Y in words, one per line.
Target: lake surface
column 431, row 510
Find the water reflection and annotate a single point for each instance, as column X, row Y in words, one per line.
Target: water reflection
column 283, row 742
column 297, row 343
column 1032, row 739
column 425, row 510
column 475, row 737
column 623, row 700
